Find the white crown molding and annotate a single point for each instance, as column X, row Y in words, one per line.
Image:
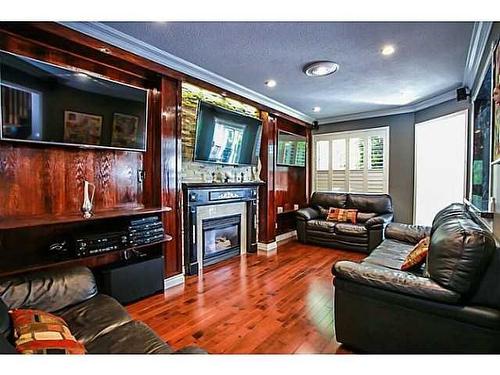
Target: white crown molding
column 415, row 107
column 112, row 36
column 479, row 39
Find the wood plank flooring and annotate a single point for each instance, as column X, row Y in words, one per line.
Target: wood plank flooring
column 258, row 303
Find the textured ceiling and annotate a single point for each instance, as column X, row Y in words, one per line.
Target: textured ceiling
column 429, row 59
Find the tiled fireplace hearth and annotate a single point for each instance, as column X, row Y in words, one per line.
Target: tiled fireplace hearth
column 219, row 222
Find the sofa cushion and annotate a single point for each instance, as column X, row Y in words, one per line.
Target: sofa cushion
column 453, row 211
column 323, row 201
column 412, row 234
column 459, row 252
column 342, row 215
column 130, row 338
column 390, row 254
column 321, row 225
column 48, row 290
column 94, row 317
column 377, row 203
column 417, row 256
column 357, row 230
column 363, row 217
column 39, row 332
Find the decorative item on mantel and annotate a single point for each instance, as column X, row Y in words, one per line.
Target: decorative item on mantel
column 87, row 200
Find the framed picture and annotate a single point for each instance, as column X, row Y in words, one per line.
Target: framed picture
column 125, row 129
column 496, row 107
column 82, row 128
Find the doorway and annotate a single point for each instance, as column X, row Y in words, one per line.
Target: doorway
column 440, row 165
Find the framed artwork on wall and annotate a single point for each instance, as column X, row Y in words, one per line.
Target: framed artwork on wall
column 496, row 106
column 125, row 129
column 82, row 128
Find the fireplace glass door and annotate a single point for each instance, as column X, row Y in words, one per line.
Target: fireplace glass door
column 221, row 237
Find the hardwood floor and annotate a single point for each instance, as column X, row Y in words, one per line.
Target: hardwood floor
column 258, row 303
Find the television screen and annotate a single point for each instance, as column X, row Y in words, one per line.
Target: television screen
column 292, row 150
column 45, row 103
column 226, row 137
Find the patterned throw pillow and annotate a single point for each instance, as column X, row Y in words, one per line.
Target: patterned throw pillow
column 342, row 215
column 417, row 255
column 38, row 332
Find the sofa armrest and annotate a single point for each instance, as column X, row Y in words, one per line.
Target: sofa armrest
column 379, row 221
column 191, row 350
column 406, row 232
column 394, row 280
column 49, row 290
column 307, row 213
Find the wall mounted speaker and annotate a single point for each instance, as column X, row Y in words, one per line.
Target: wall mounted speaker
column 315, row 125
column 462, row 94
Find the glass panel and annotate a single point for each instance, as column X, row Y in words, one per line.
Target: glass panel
column 480, row 186
column 291, row 150
column 322, row 155
column 356, row 153
column 376, row 152
column 338, row 154
column 221, row 239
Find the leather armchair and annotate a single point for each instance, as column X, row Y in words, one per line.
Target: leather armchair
column 96, row 320
column 450, row 305
column 374, row 213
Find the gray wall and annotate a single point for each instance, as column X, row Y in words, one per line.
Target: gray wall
column 401, row 145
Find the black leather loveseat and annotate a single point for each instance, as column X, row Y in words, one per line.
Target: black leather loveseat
column 450, row 305
column 96, row 320
column 374, row 213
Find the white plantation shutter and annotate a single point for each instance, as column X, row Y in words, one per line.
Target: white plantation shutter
column 352, row 161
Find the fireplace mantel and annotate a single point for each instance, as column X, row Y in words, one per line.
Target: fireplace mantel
column 194, row 185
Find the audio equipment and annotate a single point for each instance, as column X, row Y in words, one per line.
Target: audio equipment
column 315, row 125
column 462, row 94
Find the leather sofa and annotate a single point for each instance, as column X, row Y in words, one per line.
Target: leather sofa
column 96, row 320
column 449, row 305
column 374, row 213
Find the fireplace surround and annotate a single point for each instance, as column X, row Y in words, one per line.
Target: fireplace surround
column 219, row 222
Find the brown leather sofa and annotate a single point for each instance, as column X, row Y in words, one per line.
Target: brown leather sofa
column 450, row 305
column 96, row 320
column 374, row 213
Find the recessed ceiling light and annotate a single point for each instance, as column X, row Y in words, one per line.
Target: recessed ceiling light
column 82, row 75
column 105, row 50
column 316, row 109
column 270, row 83
column 388, row 50
column 320, row 68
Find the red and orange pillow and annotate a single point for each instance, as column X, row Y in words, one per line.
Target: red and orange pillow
column 38, row 332
column 342, row 215
column 417, row 256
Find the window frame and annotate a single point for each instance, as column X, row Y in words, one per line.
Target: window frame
column 365, row 134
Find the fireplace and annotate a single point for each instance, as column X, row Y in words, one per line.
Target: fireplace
column 220, row 221
column 221, row 238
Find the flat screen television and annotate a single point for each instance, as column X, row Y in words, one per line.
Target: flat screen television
column 226, row 137
column 45, row 103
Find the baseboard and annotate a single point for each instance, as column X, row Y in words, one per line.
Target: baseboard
column 272, row 246
column 286, row 236
column 173, row 281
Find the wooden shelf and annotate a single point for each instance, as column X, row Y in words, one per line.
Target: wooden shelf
column 15, row 222
column 286, row 212
column 55, row 262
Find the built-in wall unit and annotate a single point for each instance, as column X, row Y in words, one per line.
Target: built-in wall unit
column 106, row 155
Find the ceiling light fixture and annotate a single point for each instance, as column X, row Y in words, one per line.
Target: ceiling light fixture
column 320, row 68
column 316, row 109
column 105, row 50
column 388, row 50
column 270, row 83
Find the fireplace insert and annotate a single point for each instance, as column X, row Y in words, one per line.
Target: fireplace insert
column 221, row 238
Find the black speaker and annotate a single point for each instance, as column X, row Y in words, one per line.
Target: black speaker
column 131, row 280
column 315, row 125
column 462, row 94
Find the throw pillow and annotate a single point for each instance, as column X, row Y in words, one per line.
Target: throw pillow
column 342, row 215
column 38, row 332
column 417, row 256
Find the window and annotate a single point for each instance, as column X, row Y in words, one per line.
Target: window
column 352, row 161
